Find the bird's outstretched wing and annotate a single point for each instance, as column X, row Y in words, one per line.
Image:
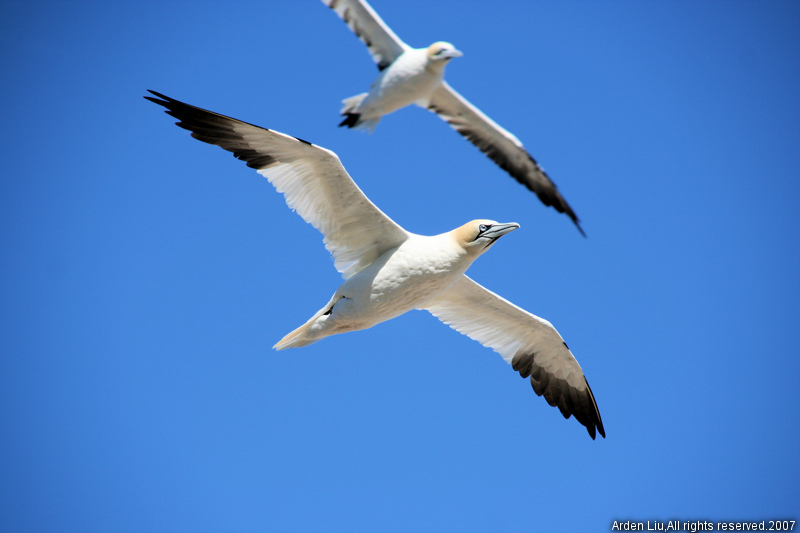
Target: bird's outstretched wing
column 500, row 145
column 382, row 42
column 531, row 344
column 312, row 179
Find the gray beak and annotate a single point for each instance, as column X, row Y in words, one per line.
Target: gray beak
column 498, row 230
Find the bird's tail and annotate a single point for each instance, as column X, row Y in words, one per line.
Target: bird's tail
column 350, row 120
column 296, row 339
column 302, row 336
column 351, row 103
column 354, row 120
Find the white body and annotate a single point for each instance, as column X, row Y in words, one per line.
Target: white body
column 401, row 279
column 411, row 78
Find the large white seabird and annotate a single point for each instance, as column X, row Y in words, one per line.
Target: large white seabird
column 388, row 270
column 416, row 76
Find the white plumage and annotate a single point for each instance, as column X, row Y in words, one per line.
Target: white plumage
column 389, row 271
column 411, row 78
column 416, row 76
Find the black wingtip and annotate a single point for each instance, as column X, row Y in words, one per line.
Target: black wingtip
column 598, row 422
column 569, row 400
column 350, row 120
column 163, row 98
column 562, row 206
column 578, row 225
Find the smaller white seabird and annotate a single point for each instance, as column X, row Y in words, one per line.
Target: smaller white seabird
column 416, row 76
column 389, row 271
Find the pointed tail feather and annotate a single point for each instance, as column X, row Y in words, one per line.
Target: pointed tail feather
column 301, row 336
column 351, row 103
column 350, row 120
column 354, row 120
column 295, row 338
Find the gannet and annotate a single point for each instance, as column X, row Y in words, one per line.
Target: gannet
column 387, row 270
column 416, row 76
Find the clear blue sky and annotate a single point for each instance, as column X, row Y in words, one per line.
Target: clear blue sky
column 144, row 276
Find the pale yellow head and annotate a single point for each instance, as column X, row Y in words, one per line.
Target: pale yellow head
column 477, row 236
column 442, row 52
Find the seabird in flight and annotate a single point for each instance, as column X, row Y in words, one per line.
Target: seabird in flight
column 387, row 270
column 416, row 76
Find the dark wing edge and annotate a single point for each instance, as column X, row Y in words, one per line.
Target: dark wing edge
column 531, row 344
column 500, row 146
column 569, row 400
column 383, row 44
column 213, row 128
column 309, row 177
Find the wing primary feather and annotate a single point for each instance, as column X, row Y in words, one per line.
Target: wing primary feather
column 311, row 178
column 530, row 344
column 499, row 145
column 383, row 44
column 570, row 401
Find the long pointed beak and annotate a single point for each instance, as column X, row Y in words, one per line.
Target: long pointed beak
column 453, row 53
column 498, row 230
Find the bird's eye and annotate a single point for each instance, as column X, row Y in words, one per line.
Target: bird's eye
column 482, row 227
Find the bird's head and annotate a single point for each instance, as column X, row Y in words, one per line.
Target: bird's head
column 479, row 235
column 441, row 52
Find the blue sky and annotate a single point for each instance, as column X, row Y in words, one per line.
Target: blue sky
column 144, row 276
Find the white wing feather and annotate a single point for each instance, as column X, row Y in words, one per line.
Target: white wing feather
column 311, row 178
column 499, row 144
column 529, row 343
column 383, row 44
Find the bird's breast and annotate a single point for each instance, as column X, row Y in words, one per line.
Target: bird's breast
column 401, row 85
column 406, row 278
